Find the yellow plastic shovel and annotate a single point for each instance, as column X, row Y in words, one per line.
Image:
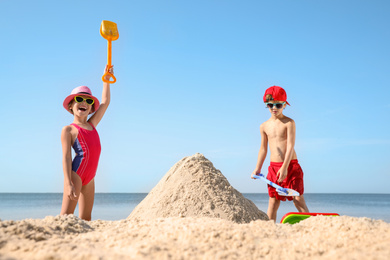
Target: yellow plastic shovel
column 109, row 32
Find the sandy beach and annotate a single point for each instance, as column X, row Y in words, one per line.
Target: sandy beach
column 194, row 238
column 194, row 213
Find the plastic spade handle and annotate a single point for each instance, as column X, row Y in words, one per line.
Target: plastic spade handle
column 109, row 65
column 281, row 191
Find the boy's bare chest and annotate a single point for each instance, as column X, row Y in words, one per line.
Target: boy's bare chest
column 276, row 131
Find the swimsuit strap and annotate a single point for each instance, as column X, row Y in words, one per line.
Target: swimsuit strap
column 79, row 127
column 73, row 124
column 91, row 125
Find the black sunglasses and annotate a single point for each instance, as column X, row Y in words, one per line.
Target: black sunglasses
column 277, row 105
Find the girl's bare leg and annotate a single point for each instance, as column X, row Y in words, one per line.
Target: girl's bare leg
column 68, row 205
column 87, row 197
column 273, row 206
column 300, row 204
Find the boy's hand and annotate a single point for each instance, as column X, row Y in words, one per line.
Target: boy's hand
column 255, row 172
column 282, row 175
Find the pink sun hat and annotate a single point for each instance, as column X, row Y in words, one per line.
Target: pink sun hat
column 84, row 91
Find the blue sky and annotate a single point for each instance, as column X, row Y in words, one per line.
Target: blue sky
column 190, row 78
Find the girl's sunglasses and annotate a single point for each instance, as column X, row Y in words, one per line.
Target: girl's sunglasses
column 80, row 99
column 277, row 105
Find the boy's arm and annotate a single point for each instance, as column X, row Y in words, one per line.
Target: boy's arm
column 282, row 173
column 106, row 98
column 262, row 151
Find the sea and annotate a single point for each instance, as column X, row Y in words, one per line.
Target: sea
column 117, row 206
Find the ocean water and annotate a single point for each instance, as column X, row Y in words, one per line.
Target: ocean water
column 117, row 206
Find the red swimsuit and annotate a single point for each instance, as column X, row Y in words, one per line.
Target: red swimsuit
column 87, row 148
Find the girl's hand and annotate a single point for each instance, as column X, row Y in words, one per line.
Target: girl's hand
column 71, row 191
column 109, row 70
column 282, row 174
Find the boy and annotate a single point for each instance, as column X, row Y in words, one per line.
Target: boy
column 279, row 133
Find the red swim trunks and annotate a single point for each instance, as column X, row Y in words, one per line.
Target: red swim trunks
column 294, row 179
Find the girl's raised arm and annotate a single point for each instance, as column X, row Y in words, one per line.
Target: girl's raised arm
column 106, row 97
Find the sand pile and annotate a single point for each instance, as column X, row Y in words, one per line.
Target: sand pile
column 194, row 188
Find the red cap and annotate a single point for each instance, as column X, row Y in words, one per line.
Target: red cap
column 277, row 93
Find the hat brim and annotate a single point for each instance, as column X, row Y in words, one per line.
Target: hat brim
column 283, row 101
column 69, row 98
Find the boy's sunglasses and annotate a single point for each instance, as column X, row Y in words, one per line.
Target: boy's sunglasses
column 277, row 105
column 80, row 99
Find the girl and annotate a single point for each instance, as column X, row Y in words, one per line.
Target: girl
column 79, row 183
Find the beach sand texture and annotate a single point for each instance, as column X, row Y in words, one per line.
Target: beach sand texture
column 165, row 225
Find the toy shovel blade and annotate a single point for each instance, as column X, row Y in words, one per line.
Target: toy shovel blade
column 287, row 192
column 109, row 30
